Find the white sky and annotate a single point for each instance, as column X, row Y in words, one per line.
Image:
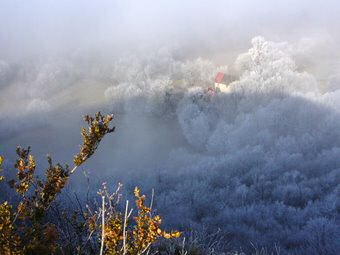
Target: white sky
column 31, row 28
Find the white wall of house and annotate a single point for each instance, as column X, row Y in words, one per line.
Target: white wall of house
column 222, row 87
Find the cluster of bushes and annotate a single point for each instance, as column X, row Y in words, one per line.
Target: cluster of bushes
column 27, row 226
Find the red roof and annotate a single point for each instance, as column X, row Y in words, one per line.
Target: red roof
column 219, row 77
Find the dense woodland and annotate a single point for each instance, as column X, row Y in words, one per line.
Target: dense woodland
column 257, row 169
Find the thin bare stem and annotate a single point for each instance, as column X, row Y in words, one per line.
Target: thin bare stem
column 145, row 249
column 152, row 197
column 73, row 169
column 130, row 213
column 183, row 252
column 124, row 228
column 103, row 226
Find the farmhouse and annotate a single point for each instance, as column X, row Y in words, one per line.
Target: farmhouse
column 222, row 82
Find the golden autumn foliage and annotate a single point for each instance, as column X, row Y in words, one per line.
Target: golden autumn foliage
column 25, row 229
column 99, row 126
column 148, row 229
column 121, row 235
column 9, row 242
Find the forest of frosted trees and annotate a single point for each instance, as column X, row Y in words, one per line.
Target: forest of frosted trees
column 261, row 164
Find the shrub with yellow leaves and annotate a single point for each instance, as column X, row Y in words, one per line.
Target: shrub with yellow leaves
column 99, row 126
column 25, row 229
column 9, row 242
column 147, row 229
column 119, row 234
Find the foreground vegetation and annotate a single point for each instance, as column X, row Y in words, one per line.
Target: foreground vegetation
column 25, row 225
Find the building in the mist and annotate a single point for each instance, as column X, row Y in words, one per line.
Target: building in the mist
column 222, row 82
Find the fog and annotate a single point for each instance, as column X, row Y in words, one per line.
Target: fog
column 261, row 163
